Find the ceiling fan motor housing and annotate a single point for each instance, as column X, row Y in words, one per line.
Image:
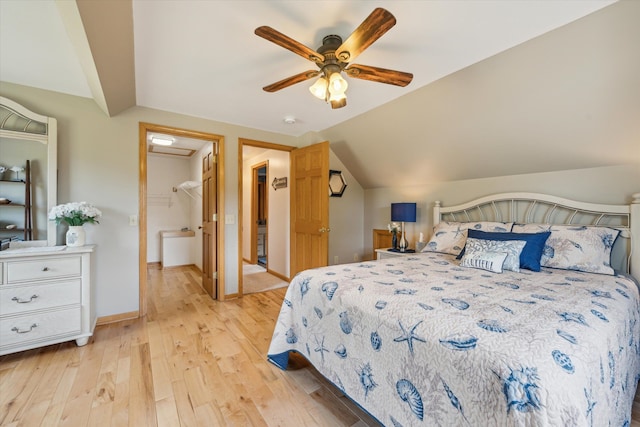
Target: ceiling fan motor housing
column 330, row 64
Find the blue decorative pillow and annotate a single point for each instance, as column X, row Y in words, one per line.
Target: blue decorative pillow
column 532, row 252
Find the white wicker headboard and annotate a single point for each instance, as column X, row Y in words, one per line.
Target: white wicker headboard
column 526, row 208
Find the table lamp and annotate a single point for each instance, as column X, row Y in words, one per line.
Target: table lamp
column 403, row 212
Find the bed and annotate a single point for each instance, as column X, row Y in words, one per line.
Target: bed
column 473, row 332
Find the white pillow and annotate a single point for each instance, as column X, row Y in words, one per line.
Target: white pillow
column 449, row 237
column 512, row 248
column 490, row 261
column 575, row 247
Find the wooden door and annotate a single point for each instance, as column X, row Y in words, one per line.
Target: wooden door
column 209, row 222
column 309, row 207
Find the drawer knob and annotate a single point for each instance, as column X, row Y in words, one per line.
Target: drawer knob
column 45, row 269
column 24, row 301
column 16, row 330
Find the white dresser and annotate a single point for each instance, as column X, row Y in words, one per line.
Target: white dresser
column 46, row 297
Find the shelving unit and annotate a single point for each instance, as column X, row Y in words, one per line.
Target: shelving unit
column 6, row 218
column 26, row 135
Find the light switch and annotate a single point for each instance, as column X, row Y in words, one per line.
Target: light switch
column 230, row 219
column 133, row 220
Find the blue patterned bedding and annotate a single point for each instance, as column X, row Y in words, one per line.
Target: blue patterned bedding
column 420, row 340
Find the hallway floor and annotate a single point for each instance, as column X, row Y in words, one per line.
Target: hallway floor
column 255, row 278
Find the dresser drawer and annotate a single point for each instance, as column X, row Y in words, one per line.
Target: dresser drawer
column 39, row 269
column 22, row 299
column 20, row 330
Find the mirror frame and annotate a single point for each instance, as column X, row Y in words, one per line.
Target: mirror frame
column 50, row 139
column 337, row 183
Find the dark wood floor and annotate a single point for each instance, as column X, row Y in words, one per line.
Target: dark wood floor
column 190, row 362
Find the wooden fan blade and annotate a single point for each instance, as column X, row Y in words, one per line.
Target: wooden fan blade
column 380, row 75
column 291, row 81
column 379, row 22
column 286, row 42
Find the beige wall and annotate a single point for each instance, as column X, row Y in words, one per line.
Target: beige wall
column 346, row 219
column 609, row 185
column 98, row 163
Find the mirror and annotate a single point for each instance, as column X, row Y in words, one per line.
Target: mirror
column 337, row 184
column 28, row 143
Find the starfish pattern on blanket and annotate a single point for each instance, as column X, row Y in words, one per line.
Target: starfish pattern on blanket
column 321, row 348
column 409, row 335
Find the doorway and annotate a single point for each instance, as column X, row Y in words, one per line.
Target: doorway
column 217, row 256
column 259, row 164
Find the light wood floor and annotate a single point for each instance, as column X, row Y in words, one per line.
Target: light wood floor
column 191, row 362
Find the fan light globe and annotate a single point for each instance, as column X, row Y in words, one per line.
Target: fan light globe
column 319, row 88
column 337, row 85
column 337, row 97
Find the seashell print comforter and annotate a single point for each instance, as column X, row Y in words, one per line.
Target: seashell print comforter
column 421, row 341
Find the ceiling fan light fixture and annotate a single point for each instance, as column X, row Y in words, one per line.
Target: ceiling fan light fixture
column 335, row 55
column 337, row 85
column 319, row 88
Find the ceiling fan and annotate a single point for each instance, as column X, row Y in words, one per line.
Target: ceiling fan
column 334, row 57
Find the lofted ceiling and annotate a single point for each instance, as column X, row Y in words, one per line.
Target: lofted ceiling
column 201, row 57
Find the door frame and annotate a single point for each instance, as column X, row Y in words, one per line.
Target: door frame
column 143, row 129
column 254, row 207
column 242, row 142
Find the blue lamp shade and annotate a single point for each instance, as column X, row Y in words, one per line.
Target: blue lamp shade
column 403, row 212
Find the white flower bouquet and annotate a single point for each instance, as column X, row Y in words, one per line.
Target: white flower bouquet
column 393, row 228
column 75, row 213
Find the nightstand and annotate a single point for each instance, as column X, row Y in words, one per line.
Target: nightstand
column 386, row 253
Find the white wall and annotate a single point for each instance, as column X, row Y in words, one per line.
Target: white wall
column 166, row 210
column 278, row 231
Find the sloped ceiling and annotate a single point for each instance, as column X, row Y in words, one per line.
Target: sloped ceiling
column 569, row 99
column 501, row 87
